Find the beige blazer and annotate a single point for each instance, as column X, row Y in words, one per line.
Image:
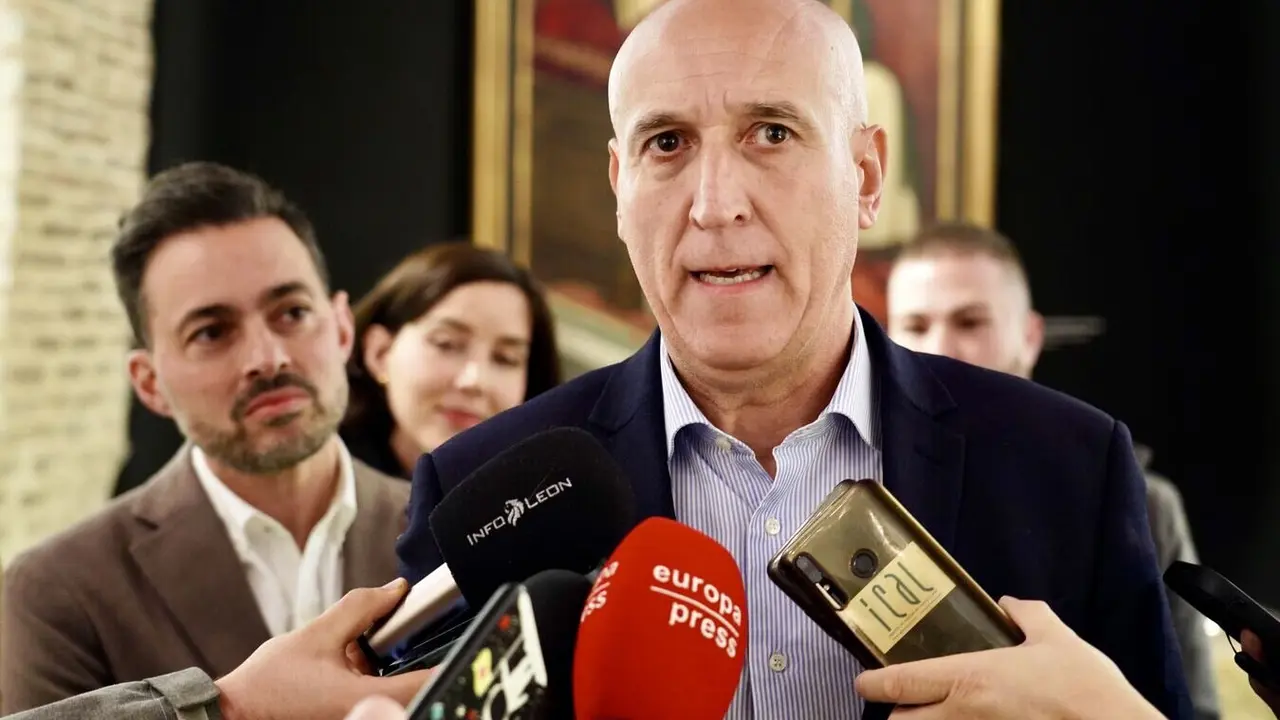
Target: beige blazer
column 151, row 585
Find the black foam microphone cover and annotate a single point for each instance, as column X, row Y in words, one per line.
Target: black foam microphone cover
column 555, row 500
column 558, row 597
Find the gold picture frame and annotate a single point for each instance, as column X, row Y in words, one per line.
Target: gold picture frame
column 540, row 190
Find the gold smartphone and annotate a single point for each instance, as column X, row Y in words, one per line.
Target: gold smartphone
column 874, row 579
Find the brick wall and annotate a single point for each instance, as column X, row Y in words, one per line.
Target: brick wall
column 74, row 91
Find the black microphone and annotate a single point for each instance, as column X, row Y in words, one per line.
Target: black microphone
column 555, row 500
column 516, row 660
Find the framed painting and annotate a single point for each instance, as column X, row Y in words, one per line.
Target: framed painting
column 540, row 184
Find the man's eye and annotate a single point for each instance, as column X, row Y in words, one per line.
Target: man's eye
column 667, row 142
column 208, row 334
column 774, row 134
column 297, row 312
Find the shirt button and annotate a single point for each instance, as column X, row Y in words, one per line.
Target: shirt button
column 723, row 443
column 772, row 526
column 777, row 662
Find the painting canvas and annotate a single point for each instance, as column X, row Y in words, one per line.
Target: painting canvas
column 541, row 188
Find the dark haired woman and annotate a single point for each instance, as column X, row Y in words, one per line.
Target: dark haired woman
column 452, row 336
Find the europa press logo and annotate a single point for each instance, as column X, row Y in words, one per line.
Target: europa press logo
column 513, row 509
column 700, row 606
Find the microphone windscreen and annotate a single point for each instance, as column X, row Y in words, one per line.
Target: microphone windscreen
column 664, row 630
column 555, row 500
column 558, row 597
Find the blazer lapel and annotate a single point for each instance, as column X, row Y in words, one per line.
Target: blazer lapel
column 923, row 459
column 630, row 414
column 368, row 553
column 185, row 553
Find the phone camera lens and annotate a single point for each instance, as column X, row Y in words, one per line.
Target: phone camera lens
column 864, row 564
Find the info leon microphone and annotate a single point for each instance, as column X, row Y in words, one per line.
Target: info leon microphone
column 554, row 500
column 664, row 630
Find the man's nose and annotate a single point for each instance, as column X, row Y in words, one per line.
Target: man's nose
column 941, row 342
column 264, row 351
column 720, row 199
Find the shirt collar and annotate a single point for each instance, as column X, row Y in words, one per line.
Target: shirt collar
column 237, row 514
column 852, row 398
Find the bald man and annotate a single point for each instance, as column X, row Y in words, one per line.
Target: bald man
column 744, row 168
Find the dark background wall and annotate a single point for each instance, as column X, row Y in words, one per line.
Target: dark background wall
column 362, row 115
column 1135, row 174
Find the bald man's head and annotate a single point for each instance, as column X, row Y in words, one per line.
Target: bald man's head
column 741, row 159
column 738, row 25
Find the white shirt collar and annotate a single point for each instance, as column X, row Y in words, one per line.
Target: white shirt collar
column 852, row 398
column 237, row 514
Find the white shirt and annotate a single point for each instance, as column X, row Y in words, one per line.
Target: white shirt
column 291, row 587
column 793, row 668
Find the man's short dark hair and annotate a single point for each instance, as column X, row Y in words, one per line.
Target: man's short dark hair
column 185, row 198
column 964, row 239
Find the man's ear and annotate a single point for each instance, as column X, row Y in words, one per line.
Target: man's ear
column 614, row 167
column 142, row 376
column 615, row 164
column 377, row 343
column 1033, row 340
column 873, row 164
column 346, row 323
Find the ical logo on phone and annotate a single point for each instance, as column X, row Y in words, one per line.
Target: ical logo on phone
column 898, row 597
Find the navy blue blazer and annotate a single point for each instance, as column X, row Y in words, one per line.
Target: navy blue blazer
column 1036, row 494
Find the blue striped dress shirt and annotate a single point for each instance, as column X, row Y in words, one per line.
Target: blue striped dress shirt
column 793, row 669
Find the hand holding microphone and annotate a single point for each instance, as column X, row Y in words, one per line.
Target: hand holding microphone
column 315, row 672
column 662, row 634
column 1053, row 675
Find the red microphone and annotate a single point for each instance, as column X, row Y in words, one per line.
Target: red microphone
column 664, row 630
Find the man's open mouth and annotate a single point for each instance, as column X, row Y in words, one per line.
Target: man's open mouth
column 732, row 276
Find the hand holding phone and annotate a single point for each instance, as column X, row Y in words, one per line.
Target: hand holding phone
column 1251, row 649
column 870, row 575
column 1218, row 599
column 1053, row 673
